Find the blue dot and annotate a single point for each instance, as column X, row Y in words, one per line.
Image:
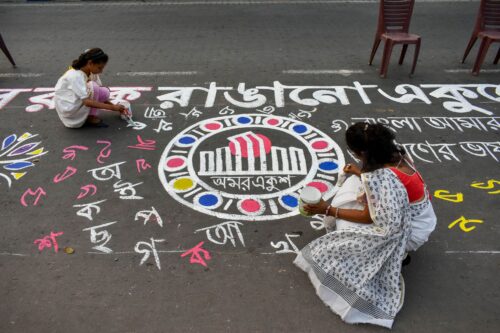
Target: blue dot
column 328, row 166
column 290, row 200
column 300, row 129
column 244, row 120
column 186, row 140
column 208, row 200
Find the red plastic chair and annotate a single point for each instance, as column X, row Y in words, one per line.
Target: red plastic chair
column 3, row 47
column 393, row 24
column 488, row 28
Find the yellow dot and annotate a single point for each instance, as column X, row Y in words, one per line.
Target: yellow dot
column 183, row 184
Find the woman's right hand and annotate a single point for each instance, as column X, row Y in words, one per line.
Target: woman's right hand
column 352, row 169
column 120, row 108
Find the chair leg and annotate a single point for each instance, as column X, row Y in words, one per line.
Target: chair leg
column 386, row 58
column 403, row 53
column 472, row 41
column 481, row 54
column 3, row 47
column 497, row 57
column 415, row 57
column 376, row 43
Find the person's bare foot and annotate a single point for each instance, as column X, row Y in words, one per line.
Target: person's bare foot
column 95, row 121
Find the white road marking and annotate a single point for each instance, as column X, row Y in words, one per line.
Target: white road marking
column 472, row 252
column 457, row 71
column 156, row 73
column 4, row 75
column 217, row 3
column 343, row 72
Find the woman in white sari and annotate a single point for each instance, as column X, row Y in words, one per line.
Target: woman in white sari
column 356, row 269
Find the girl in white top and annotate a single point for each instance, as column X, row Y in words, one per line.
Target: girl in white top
column 78, row 93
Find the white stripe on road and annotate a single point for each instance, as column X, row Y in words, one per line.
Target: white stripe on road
column 457, row 71
column 343, row 72
column 155, row 73
column 197, row 3
column 4, row 75
column 472, row 252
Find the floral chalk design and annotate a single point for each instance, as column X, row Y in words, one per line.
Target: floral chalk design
column 17, row 154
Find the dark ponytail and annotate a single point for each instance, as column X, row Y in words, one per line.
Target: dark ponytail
column 96, row 55
column 376, row 143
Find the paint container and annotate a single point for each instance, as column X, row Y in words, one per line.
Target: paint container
column 308, row 196
column 341, row 179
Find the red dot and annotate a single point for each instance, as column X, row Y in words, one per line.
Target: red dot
column 213, row 126
column 322, row 187
column 175, row 162
column 321, row 144
column 273, row 122
column 250, row 205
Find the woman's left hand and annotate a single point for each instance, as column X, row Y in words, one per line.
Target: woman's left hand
column 319, row 208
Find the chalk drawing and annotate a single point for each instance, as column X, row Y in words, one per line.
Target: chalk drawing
column 48, row 241
column 146, row 249
column 488, row 185
column 70, row 152
column 101, row 237
column 152, row 113
column 144, row 144
column 142, row 165
column 193, row 113
column 17, row 154
column 87, row 190
column 224, row 232
column 107, row 172
column 67, row 173
column 105, row 152
column 163, row 126
column 198, row 255
column 250, row 177
column 463, row 222
column 287, row 246
column 7, row 95
column 38, row 193
column 447, row 196
column 86, row 210
column 149, row 216
column 127, row 190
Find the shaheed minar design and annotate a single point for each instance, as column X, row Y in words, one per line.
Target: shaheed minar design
column 252, row 154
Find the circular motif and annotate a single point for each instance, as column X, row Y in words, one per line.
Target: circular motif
column 249, row 167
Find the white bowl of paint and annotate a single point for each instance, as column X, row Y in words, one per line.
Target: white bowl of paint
column 308, row 196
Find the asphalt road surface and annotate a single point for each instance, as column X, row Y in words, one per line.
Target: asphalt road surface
column 204, row 80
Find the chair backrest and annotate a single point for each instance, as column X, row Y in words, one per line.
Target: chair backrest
column 489, row 15
column 395, row 15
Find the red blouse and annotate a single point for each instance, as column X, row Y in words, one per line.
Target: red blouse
column 414, row 184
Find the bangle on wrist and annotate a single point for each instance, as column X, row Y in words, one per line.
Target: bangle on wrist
column 337, row 212
column 328, row 210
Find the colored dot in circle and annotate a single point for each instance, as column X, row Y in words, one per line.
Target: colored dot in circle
column 250, row 205
column 187, row 140
column 328, row 166
column 244, row 120
column 290, row 200
column 183, row 184
column 175, row 162
column 322, row 187
column 208, row 200
column 273, row 122
column 320, row 144
column 300, row 129
column 212, row 126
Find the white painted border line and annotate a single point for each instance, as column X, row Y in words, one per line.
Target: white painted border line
column 343, row 72
column 7, row 75
column 155, row 73
column 472, row 252
column 457, row 71
column 197, row 3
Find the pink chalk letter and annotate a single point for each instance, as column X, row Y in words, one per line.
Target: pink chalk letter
column 198, row 255
column 105, row 152
column 48, row 241
column 144, row 144
column 38, row 193
column 70, row 171
column 70, row 152
column 86, row 190
column 142, row 165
